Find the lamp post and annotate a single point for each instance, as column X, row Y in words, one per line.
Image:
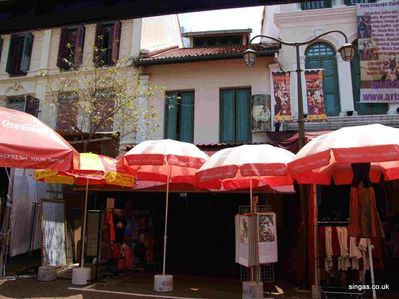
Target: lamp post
column 347, row 52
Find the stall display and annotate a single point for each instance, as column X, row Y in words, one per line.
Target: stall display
column 127, row 238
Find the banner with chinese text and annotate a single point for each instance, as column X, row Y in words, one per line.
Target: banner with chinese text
column 281, row 92
column 378, row 46
column 315, row 95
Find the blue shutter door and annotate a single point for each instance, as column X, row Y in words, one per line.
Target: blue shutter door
column 243, row 131
column 321, row 56
column 27, row 52
column 227, row 117
column 186, row 121
column 171, row 116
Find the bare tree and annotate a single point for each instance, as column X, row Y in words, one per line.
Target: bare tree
column 101, row 97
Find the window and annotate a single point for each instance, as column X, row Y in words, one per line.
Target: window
column 19, row 54
column 322, row 56
column 363, row 108
column 212, row 41
column 179, row 116
column 315, row 4
column 70, row 51
column 67, row 112
column 106, row 52
column 235, row 115
column 102, row 120
column 354, row 2
column 26, row 104
column 1, row 47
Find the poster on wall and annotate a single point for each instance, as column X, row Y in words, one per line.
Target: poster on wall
column 267, row 238
column 378, row 46
column 281, row 94
column 315, row 95
column 261, row 115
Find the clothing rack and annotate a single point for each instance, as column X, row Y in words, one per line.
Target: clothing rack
column 333, row 222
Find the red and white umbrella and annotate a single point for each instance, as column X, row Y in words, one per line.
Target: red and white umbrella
column 166, row 161
column 330, row 156
column 26, row 142
column 246, row 166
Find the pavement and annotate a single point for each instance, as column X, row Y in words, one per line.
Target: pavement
column 140, row 285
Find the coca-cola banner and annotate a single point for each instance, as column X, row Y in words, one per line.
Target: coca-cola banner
column 378, row 44
column 281, row 95
column 315, row 95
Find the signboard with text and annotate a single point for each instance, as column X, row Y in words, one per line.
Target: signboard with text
column 378, row 46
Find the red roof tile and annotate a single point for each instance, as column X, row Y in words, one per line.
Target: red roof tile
column 191, row 54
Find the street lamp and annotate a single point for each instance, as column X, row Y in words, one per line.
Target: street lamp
column 347, row 52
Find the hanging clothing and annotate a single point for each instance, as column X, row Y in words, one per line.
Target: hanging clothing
column 343, row 259
column 354, row 253
column 329, row 250
column 110, row 225
column 364, row 219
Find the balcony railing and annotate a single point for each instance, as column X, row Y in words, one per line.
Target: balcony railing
column 315, row 4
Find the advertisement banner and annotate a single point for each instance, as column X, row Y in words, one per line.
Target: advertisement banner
column 315, row 95
column 281, row 94
column 261, row 116
column 243, row 255
column 267, row 238
column 378, row 46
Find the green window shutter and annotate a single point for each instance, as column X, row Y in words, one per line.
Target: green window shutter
column 12, row 52
column 227, row 115
column 321, row 56
column 186, row 122
column 27, row 52
column 171, row 108
column 243, row 130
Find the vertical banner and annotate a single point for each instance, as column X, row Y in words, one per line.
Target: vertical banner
column 267, row 238
column 315, row 95
column 261, row 115
column 378, row 46
column 281, row 92
column 243, row 256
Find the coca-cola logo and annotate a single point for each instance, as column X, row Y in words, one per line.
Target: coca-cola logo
column 24, row 127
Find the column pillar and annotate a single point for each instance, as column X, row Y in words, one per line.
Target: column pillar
column 345, row 86
column 136, row 38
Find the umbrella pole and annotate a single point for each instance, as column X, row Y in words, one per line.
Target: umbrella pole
column 250, row 196
column 371, row 268
column 166, row 221
column 82, row 259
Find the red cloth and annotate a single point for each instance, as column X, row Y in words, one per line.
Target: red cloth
column 110, row 222
column 335, row 242
column 364, row 219
column 322, row 242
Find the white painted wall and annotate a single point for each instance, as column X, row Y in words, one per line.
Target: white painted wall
column 160, row 32
column 206, row 79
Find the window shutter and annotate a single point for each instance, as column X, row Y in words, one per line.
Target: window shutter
column 32, row 106
column 99, row 45
column 62, row 48
column 243, row 130
column 227, row 117
column 27, row 52
column 80, row 39
column 1, row 47
column 115, row 41
column 171, row 107
column 186, row 122
column 12, row 52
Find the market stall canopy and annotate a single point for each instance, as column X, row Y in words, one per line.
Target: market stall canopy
column 93, row 170
column 238, row 167
column 152, row 160
column 26, row 142
column 329, row 156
